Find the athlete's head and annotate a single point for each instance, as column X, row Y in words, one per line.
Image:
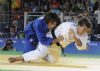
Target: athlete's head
column 52, row 20
column 84, row 26
column 12, row 29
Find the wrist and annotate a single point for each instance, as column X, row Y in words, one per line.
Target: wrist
column 77, row 41
column 55, row 40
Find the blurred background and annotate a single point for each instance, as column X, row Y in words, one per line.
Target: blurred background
column 15, row 14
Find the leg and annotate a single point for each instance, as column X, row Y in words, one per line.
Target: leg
column 50, row 58
column 40, row 52
column 53, row 54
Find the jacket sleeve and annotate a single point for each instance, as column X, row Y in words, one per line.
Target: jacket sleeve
column 84, row 41
column 41, row 35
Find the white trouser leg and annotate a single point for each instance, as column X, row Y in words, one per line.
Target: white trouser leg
column 40, row 52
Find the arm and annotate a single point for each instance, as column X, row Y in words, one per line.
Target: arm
column 59, row 39
column 42, row 37
column 84, row 41
column 81, row 43
column 77, row 41
column 41, row 34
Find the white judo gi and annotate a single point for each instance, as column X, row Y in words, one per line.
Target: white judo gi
column 52, row 53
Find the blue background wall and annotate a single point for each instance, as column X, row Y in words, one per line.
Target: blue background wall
column 93, row 47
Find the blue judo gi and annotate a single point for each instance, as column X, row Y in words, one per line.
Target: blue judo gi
column 35, row 32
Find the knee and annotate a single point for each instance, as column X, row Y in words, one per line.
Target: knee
column 53, row 60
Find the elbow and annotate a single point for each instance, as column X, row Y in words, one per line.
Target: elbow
column 79, row 44
column 45, row 43
column 81, row 47
column 45, row 40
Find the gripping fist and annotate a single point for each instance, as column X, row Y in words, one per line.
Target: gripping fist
column 60, row 38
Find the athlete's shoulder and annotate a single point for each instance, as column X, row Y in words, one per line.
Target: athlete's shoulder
column 68, row 24
column 38, row 22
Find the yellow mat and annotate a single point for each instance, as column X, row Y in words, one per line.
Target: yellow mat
column 64, row 64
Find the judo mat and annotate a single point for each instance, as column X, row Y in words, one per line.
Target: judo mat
column 71, row 62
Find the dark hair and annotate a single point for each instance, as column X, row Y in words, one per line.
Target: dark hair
column 85, row 22
column 51, row 17
column 8, row 42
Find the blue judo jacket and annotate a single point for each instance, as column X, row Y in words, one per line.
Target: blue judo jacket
column 37, row 30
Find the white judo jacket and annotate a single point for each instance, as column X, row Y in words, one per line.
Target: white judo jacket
column 63, row 29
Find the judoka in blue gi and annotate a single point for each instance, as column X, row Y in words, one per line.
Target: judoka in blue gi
column 36, row 31
column 37, row 39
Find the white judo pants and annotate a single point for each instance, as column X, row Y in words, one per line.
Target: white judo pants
column 44, row 52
